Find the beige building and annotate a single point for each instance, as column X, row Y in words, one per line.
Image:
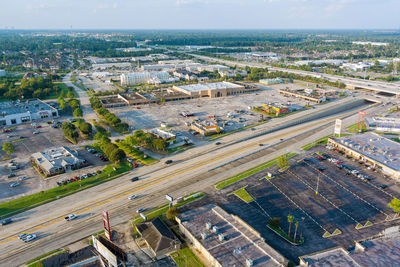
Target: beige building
column 372, row 149
column 218, row 89
column 204, row 127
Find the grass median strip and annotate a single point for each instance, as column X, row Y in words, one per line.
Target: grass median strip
column 35, row 261
column 249, row 172
column 12, row 207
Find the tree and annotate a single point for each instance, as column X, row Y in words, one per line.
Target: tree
column 275, row 222
column 74, row 103
column 117, row 155
column 290, row 219
column 282, row 162
column 77, row 112
column 394, row 204
column 70, row 94
column 218, row 130
column 62, row 103
column 8, row 148
column 159, row 144
column 172, row 213
column 296, row 224
column 85, row 128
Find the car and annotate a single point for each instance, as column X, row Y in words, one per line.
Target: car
column 23, row 235
column 23, row 178
column 132, row 197
column 260, row 144
column 383, row 186
column 54, row 126
column 22, row 137
column 321, row 158
column 168, row 161
column 15, row 184
column 9, row 136
column 340, row 166
column 133, row 179
column 70, row 217
column 36, row 132
column 129, row 160
column 6, row 131
column 321, row 169
column 29, row 238
column 72, row 120
column 11, row 175
column 139, row 210
column 218, row 143
column 38, row 126
column 6, row 221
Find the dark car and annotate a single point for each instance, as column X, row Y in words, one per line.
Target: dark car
column 321, row 169
column 169, row 161
column 218, row 143
column 11, row 175
column 134, row 179
column 383, row 186
column 6, row 221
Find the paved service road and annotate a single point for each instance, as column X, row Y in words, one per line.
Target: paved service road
column 193, row 171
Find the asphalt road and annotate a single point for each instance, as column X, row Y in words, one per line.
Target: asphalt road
column 193, row 171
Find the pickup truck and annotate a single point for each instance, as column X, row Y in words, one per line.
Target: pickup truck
column 70, row 217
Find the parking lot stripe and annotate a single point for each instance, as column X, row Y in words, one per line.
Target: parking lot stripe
column 354, row 194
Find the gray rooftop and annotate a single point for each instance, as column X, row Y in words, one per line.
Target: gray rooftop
column 208, row 86
column 240, row 243
column 17, row 107
column 381, row 251
column 374, row 146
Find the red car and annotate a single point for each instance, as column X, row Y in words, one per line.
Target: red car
column 38, row 126
column 134, row 165
column 6, row 131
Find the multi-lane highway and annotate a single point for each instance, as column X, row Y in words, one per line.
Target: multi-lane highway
column 352, row 83
column 194, row 170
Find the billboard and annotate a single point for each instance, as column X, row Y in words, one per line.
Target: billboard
column 106, row 223
column 338, row 127
column 105, row 252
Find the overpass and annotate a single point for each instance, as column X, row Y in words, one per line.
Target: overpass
column 351, row 83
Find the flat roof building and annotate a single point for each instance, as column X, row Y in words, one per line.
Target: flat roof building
column 379, row 251
column 226, row 240
column 389, row 123
column 217, row 89
column 372, row 149
column 57, row 160
column 17, row 112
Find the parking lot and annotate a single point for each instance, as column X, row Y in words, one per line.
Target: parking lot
column 151, row 116
column 320, row 196
column 26, row 143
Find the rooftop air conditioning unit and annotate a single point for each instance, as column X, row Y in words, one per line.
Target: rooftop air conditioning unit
column 215, row 229
column 204, row 236
column 208, row 225
column 249, row 263
column 221, row 237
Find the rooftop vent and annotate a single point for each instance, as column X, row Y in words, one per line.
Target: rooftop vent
column 208, row 225
column 221, row 237
column 204, row 235
column 215, row 229
column 249, row 262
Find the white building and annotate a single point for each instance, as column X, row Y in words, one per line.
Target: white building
column 144, row 77
column 3, row 73
column 355, row 66
column 17, row 112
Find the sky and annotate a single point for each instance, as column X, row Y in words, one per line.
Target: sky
column 200, row 14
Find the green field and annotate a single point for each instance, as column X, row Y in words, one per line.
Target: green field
column 354, row 128
column 62, row 87
column 186, row 258
column 28, row 202
column 249, row 172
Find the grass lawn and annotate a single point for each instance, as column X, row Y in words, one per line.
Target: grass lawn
column 243, row 195
column 136, row 154
column 34, row 262
column 179, row 149
column 62, row 87
column 249, row 172
column 185, row 258
column 25, row 203
column 354, row 128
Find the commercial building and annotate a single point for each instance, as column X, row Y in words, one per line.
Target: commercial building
column 118, row 65
column 388, row 124
column 304, row 95
column 226, row 240
column 205, row 127
column 158, row 237
column 17, row 112
column 143, row 77
column 272, row 81
column 58, row 160
column 383, row 250
column 276, row 109
column 165, row 135
column 217, row 89
column 373, row 149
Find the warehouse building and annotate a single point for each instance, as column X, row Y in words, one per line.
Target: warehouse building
column 57, row 160
column 217, row 89
column 17, row 112
column 226, row 240
column 372, row 149
column 389, row 124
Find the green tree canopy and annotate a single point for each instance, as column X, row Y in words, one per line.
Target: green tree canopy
column 8, row 148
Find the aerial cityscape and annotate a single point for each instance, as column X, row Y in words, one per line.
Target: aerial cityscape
column 199, row 133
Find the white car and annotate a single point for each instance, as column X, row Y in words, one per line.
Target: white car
column 139, row 210
column 29, row 237
column 23, row 178
column 132, row 197
column 22, row 236
column 70, row 217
